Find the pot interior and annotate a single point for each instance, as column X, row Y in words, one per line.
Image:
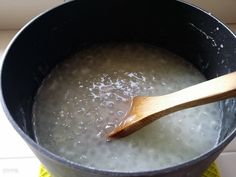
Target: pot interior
column 50, row 38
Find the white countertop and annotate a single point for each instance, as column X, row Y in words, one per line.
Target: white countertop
column 16, row 157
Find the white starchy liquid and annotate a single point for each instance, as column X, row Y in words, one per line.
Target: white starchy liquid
column 87, row 95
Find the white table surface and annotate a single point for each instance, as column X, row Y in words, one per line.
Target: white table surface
column 17, row 160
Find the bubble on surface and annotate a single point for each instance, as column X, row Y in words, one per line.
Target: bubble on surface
column 98, row 84
column 120, row 113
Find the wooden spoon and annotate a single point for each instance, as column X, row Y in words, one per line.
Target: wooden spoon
column 145, row 110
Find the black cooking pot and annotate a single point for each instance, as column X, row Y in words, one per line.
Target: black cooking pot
column 51, row 37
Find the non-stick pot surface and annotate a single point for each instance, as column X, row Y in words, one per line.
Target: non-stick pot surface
column 51, row 37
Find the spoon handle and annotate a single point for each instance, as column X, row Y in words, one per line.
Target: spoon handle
column 206, row 92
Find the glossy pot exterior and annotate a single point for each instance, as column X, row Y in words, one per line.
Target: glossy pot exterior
column 51, row 37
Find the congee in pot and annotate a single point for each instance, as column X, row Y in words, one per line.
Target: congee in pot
column 87, row 95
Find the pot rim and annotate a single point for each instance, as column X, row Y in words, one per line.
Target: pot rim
column 43, row 151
